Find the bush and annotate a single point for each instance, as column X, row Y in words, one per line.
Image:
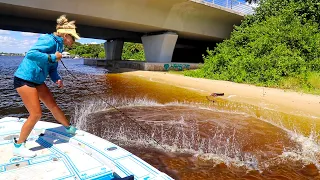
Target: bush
column 133, row 51
column 102, row 55
column 314, row 80
column 87, row 55
column 280, row 41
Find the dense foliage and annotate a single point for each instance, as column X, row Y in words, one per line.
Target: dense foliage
column 130, row 51
column 133, row 51
column 278, row 46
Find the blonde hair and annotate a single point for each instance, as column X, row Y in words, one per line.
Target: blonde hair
column 63, row 23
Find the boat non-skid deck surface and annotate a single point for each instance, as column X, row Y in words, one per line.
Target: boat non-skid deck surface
column 61, row 156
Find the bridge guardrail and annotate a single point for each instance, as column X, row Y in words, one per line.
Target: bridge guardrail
column 235, row 5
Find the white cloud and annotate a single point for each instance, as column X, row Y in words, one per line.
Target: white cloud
column 29, row 34
column 93, row 43
column 27, row 43
column 7, row 41
column 10, row 42
column 4, row 32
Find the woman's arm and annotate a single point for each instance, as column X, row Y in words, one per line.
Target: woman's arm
column 38, row 51
column 53, row 73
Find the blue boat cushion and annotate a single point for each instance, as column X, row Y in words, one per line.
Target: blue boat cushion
column 125, row 178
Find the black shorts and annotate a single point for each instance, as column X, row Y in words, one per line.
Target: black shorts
column 17, row 82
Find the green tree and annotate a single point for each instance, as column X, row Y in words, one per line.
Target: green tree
column 102, row 55
column 84, row 50
column 74, row 46
column 133, row 51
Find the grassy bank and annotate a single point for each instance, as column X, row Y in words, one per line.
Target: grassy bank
column 309, row 84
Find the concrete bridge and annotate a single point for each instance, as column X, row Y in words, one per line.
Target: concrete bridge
column 170, row 30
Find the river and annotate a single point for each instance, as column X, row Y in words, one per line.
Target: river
column 177, row 130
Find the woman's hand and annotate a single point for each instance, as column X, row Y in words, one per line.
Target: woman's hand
column 58, row 55
column 60, row 83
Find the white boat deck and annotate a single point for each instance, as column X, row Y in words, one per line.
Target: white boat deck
column 61, row 156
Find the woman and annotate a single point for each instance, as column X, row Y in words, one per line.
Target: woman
column 41, row 61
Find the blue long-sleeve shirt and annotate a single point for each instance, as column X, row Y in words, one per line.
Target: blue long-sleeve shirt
column 36, row 65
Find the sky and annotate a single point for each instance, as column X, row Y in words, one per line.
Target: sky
column 20, row 42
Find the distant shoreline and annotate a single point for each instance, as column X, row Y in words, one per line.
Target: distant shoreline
column 12, row 55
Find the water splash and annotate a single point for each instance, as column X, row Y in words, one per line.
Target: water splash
column 174, row 135
column 181, row 136
column 83, row 110
column 307, row 151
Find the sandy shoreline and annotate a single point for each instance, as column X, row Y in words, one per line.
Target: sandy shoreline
column 281, row 100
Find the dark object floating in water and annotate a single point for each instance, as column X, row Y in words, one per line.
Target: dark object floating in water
column 214, row 95
column 217, row 94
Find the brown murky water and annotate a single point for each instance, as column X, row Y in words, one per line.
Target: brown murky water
column 179, row 131
column 204, row 140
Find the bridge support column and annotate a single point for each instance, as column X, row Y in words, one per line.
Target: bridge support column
column 159, row 48
column 113, row 49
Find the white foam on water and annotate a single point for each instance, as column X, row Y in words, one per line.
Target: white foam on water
column 86, row 108
column 220, row 147
column 308, row 149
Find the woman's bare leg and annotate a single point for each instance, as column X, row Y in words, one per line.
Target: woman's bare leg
column 30, row 99
column 47, row 98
